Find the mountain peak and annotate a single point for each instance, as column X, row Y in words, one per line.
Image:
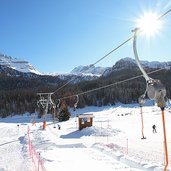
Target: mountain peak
column 88, row 70
column 128, row 59
column 17, row 64
column 124, row 63
column 130, row 62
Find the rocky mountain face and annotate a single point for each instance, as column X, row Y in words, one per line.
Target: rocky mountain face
column 12, row 66
column 16, row 68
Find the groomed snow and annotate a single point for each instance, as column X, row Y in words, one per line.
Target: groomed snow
column 112, row 143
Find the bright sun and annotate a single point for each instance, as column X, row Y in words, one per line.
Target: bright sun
column 149, row 23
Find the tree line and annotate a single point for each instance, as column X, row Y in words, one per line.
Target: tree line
column 19, row 94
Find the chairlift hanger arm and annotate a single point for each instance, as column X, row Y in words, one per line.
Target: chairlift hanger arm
column 58, row 104
column 77, row 100
column 136, row 32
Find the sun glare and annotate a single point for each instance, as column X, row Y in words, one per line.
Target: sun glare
column 149, row 23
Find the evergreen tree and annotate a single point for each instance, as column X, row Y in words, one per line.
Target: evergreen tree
column 64, row 114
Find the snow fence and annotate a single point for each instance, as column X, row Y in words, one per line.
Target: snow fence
column 35, row 157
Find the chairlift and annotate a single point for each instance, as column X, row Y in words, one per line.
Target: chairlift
column 56, row 111
column 58, row 104
column 75, row 105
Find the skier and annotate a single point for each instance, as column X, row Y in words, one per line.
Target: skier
column 154, row 129
column 59, row 127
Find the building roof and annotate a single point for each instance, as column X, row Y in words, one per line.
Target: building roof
column 86, row 116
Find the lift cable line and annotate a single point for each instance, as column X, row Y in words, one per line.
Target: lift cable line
column 164, row 14
column 113, row 50
column 109, row 85
column 107, row 55
column 45, row 98
column 90, row 66
column 136, row 32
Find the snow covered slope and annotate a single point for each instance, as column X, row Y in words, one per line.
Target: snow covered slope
column 16, row 64
column 112, row 143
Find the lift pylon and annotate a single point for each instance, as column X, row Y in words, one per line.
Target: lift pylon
column 45, row 100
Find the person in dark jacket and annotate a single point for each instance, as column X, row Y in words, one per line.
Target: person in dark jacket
column 154, row 129
column 59, row 127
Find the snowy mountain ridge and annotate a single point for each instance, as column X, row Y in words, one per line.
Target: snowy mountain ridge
column 124, row 63
column 17, row 64
column 89, row 72
column 152, row 64
column 130, row 63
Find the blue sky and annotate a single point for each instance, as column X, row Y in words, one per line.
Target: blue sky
column 58, row 35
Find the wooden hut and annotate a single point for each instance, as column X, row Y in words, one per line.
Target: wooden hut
column 85, row 120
